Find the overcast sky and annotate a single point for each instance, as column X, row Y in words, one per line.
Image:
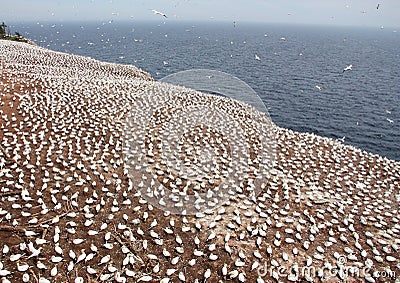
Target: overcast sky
column 338, row 12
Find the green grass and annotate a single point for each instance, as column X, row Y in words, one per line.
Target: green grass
column 14, row 38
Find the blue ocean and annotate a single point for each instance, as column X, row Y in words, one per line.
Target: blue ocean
column 298, row 75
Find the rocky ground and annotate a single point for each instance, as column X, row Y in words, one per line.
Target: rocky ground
column 71, row 211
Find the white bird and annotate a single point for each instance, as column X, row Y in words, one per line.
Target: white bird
column 390, row 120
column 89, row 257
column 207, row 274
column 58, row 249
column 318, row 87
column 35, row 252
column 82, row 256
column 159, row 13
column 23, row 267
column 15, row 257
column 348, row 68
column 91, row 270
column 105, row 259
column 4, row 272
column 6, row 249
column 54, row 271
column 257, row 57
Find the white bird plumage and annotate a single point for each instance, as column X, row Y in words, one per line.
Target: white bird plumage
column 348, row 68
column 159, row 13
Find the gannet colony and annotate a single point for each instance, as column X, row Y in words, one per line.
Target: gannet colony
column 71, row 209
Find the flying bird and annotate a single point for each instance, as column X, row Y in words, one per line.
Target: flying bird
column 348, row 68
column 159, row 13
column 318, row 87
column 257, row 57
column 377, row 7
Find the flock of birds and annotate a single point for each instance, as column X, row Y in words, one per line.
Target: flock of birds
column 72, row 210
column 237, row 156
column 156, row 12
